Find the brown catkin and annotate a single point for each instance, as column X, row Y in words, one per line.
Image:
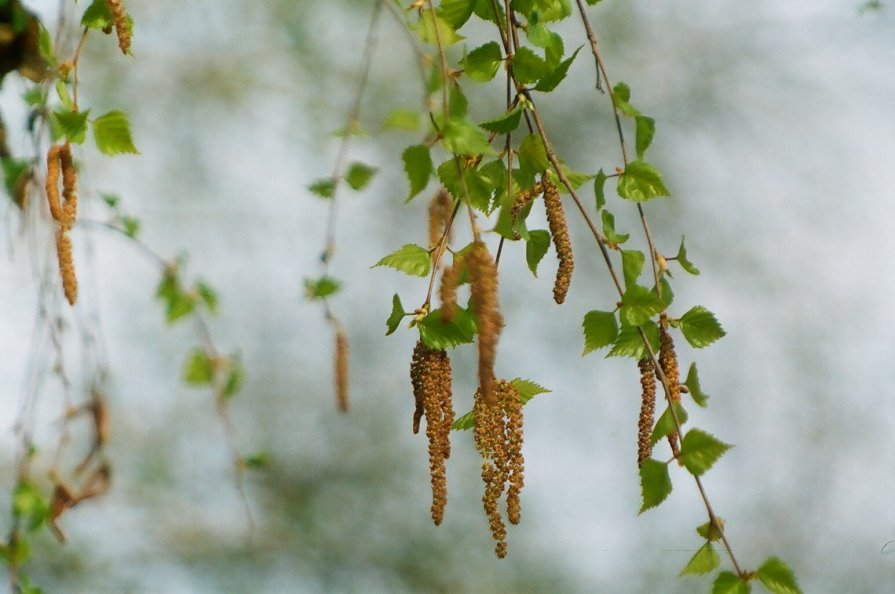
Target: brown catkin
column 515, row 463
column 483, row 286
column 647, row 409
column 52, row 182
column 122, row 24
column 439, row 214
column 523, row 198
column 560, row 232
column 341, row 371
column 69, row 187
column 448, row 291
column 430, row 375
column 669, row 365
column 66, row 265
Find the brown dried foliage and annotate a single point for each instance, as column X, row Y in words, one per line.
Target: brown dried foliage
column 439, row 214
column 122, row 24
column 647, row 409
column 560, row 231
column 483, row 286
column 341, row 368
column 498, row 436
column 430, row 375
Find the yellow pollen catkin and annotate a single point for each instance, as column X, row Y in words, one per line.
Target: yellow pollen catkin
column 483, row 286
column 647, row 409
column 439, row 215
column 341, row 371
column 69, row 187
column 122, row 24
column 52, row 182
column 448, row 291
column 66, row 265
column 523, row 198
column 669, row 365
column 560, row 232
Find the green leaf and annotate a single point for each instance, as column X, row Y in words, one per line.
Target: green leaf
column 704, row 561
column 459, row 105
column 692, row 383
column 729, row 583
column 646, row 128
column 257, row 461
column 64, row 96
column 208, row 295
column 199, row 369
column 455, row 12
column 481, row 64
column 15, row 174
column 665, row 425
column 465, row 138
column 655, row 483
column 464, row 422
column 709, row 531
column 411, row 259
column 475, row 187
column 528, row 66
column 325, row 187
column 484, row 9
column 72, row 124
column 533, row 155
column 438, row 335
column 630, row 344
column 535, row 247
column 700, row 327
column 178, row 303
column 235, row 376
column 504, row 123
column 622, row 95
column 359, row 175
column 528, row 389
column 394, row 319
column 683, row 261
column 599, row 184
column 112, row 133
column 131, row 226
column 418, row 165
column 434, row 29
column 700, row 450
column 402, row 119
column 639, row 304
column 618, row 238
column 321, row 288
column 632, row 265
column 30, row 505
column 641, row 182
column 600, row 330
column 667, row 295
column 551, row 80
column 97, row 15
column 777, row 577
column 45, row 45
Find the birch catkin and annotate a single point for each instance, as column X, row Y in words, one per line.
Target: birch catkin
column 64, row 212
column 483, row 286
column 647, row 409
column 560, row 231
column 341, row 371
column 66, row 266
column 122, row 24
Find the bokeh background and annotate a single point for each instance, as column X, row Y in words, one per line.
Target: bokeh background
column 775, row 132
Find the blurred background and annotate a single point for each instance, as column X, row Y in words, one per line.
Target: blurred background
column 776, row 135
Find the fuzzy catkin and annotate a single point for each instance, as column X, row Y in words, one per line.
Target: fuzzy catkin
column 523, row 198
column 439, row 215
column 669, row 365
column 448, row 291
column 647, row 409
column 66, row 265
column 122, row 24
column 430, row 376
column 52, row 182
column 341, row 371
column 483, row 286
column 69, row 187
column 560, row 231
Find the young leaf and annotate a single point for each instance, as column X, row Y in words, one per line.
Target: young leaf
column 692, row 383
column 600, row 330
column 394, row 319
column 777, row 577
column 683, row 261
column 728, row 582
column 528, row 389
column 325, row 187
column 535, row 247
column 418, row 165
column 655, row 483
column 641, row 182
column 438, row 335
column 411, row 259
column 630, row 344
column 359, row 175
column 256, row 461
column 455, row 12
column 465, row 138
column 435, row 30
column 72, row 124
column 131, row 226
column 464, row 422
column 700, row 450
column 622, row 95
column 504, row 123
column 199, row 369
column 541, row 36
column 709, row 531
column 528, row 66
column 700, row 327
column 533, row 155
column 599, row 183
column 552, row 79
column 97, row 15
column 646, row 128
column 402, row 119
column 704, row 561
column 320, row 288
column 617, row 238
column 639, row 304
column 474, row 187
column 208, row 295
column 665, row 425
column 632, row 264
column 481, row 64
column 112, row 133
column 28, row 503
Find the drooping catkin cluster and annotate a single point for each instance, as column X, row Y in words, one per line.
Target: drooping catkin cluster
column 523, row 198
column 647, row 409
column 489, row 322
column 498, row 436
column 430, row 375
column 341, row 370
column 439, row 214
column 64, row 211
column 560, row 232
column 122, row 24
column 448, row 290
column 668, row 363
